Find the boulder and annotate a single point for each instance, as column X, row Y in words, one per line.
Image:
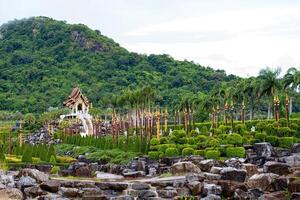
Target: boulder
column 133, row 174
column 229, row 187
column 35, row 174
column 11, row 194
column 68, row 192
column 294, row 186
column 83, row 172
column 216, row 170
column 210, row 188
column 7, row 180
column 206, row 165
column 184, row 167
column 250, row 168
column 34, row 191
column 211, row 197
column 195, row 187
column 280, row 183
column 194, row 177
column 116, row 186
column 168, row 192
column 233, row 162
column 278, row 195
column 262, row 181
column 140, row 186
column 92, row 193
column 263, row 149
column 292, row 160
column 211, row 176
column 295, row 196
column 26, row 181
column 229, row 173
column 296, row 148
column 50, row 186
column 240, row 194
column 276, row 168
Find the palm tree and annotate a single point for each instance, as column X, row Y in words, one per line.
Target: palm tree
column 270, row 84
column 291, row 81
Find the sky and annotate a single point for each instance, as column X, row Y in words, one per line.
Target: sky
column 240, row 37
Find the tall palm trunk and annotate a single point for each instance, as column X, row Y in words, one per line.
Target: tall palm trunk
column 287, row 109
column 251, row 107
column 291, row 106
column 269, row 107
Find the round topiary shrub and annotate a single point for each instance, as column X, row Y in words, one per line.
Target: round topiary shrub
column 154, row 142
column 286, row 142
column 154, row 155
column 235, row 139
column 261, row 126
column 235, row 152
column 199, row 152
column 193, row 133
column 282, row 122
column 240, row 128
column 217, row 131
column 171, row 152
column 204, row 130
column 284, row 132
column 273, row 140
column 212, row 154
column 261, row 137
column 187, row 151
column 163, row 147
column 212, row 142
column 163, row 140
column 224, row 129
column 201, row 141
column 191, row 141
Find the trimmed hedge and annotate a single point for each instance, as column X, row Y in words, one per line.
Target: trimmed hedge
column 261, row 137
column 273, row 140
column 233, row 152
column 171, row 152
column 286, row 142
column 235, row 139
column 199, row 152
column 187, row 151
column 154, row 155
column 212, row 154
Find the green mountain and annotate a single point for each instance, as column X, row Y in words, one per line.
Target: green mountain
column 42, row 59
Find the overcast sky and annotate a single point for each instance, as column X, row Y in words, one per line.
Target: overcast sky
column 240, row 37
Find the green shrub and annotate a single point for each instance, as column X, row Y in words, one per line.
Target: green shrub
column 224, row 129
column 271, row 129
column 261, row 126
column 212, row 154
column 286, row 142
column 154, row 142
column 212, row 142
column 52, row 159
column 27, row 155
column 199, row 152
column 261, row 137
column 154, row 155
column 223, row 138
column 2, row 155
column 273, row 140
column 240, row 128
column 282, row 122
column 233, row 152
column 163, row 147
column 182, row 140
column 223, row 148
column 193, row 133
column 187, row 151
column 204, row 130
column 171, row 152
column 163, row 140
column 55, row 170
column 179, row 133
column 201, row 141
column 217, row 131
column 235, row 139
column 284, row 132
column 191, row 141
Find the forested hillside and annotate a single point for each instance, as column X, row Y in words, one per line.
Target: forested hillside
column 42, row 59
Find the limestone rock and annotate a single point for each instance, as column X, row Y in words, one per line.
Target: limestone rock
column 263, row 149
column 50, row 186
column 34, row 191
column 229, row 187
column 276, row 168
column 229, row 173
column 26, row 181
column 68, row 192
column 34, row 173
column 262, row 181
column 250, row 168
column 184, row 167
column 11, row 194
column 211, row 189
column 195, row 187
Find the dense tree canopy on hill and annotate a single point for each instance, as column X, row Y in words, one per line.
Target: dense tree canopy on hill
column 42, row 59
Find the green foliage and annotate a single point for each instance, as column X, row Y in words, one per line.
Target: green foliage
column 261, row 137
column 27, row 155
column 191, row 141
column 212, row 142
column 235, row 139
column 233, row 152
column 55, row 170
column 154, row 142
column 284, row 132
column 261, row 126
column 52, row 159
column 199, row 152
column 273, row 140
column 187, row 151
column 154, row 155
column 193, row 133
column 240, row 128
column 171, row 152
column 286, row 142
column 163, row 140
column 224, row 129
column 2, row 155
column 212, row 154
column 43, row 59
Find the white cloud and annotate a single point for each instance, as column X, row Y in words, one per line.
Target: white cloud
column 241, row 42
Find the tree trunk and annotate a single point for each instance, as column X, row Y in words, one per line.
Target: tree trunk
column 251, row 108
column 291, row 106
column 269, row 108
